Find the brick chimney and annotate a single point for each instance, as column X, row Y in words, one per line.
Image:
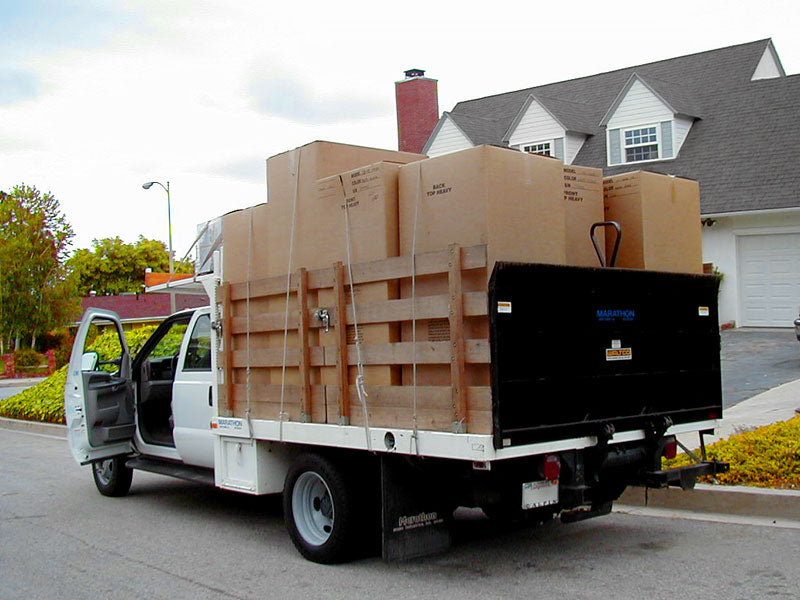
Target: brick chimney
column 417, row 100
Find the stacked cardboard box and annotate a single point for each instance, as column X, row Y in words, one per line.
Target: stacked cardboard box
column 510, row 201
column 316, row 193
column 583, row 197
column 326, row 207
column 660, row 220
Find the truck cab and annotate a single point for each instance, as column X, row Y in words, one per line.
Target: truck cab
column 158, row 405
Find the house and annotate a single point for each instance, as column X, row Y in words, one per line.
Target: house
column 728, row 118
column 139, row 310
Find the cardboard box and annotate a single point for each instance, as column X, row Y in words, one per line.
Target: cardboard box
column 272, row 222
column 583, row 199
column 318, row 160
column 660, row 219
column 511, row 201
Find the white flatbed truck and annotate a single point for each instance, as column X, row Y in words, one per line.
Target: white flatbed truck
column 593, row 375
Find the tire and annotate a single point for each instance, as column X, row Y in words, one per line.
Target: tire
column 319, row 508
column 112, row 477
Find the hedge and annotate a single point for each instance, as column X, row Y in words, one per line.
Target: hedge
column 45, row 400
column 768, row 456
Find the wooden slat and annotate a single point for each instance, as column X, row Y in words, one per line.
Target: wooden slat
column 273, row 357
column 428, row 396
column 387, row 311
column 457, row 371
column 396, row 267
column 340, row 330
column 390, row 353
column 402, row 353
column 305, row 366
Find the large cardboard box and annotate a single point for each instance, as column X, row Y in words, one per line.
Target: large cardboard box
column 316, row 224
column 308, row 164
column 583, row 199
column 660, row 220
column 510, row 201
column 352, row 214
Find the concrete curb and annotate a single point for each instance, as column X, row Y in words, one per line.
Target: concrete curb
column 53, row 429
column 730, row 500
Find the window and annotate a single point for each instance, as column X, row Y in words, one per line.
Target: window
column 198, row 354
column 543, row 148
column 641, row 144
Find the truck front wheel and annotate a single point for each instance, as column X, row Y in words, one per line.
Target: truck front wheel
column 112, row 477
column 319, row 510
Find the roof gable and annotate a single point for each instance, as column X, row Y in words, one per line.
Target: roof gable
column 448, row 135
column 572, row 117
column 769, row 65
column 673, row 96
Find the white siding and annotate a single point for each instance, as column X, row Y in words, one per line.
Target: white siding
column 720, row 247
column 767, row 67
column 572, row 144
column 449, row 139
column 639, row 107
column 681, row 127
column 536, row 125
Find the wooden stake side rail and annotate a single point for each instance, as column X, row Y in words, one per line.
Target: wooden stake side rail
column 317, row 383
column 397, row 267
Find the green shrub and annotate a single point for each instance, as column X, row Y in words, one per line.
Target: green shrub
column 764, row 457
column 45, row 401
column 26, row 357
column 42, row 402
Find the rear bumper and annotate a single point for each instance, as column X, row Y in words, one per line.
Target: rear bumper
column 683, row 477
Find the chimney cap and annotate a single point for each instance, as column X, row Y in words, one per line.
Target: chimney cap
column 414, row 73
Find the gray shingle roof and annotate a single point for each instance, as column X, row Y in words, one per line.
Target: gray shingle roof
column 744, row 149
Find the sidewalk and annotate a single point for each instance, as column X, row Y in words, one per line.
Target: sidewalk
column 778, row 404
column 21, row 382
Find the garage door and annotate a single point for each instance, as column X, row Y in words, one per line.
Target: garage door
column 769, row 279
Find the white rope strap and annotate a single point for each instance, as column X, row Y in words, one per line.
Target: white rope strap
column 295, row 163
column 415, row 419
column 360, row 381
column 247, row 301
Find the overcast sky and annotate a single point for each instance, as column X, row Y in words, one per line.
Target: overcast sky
column 97, row 97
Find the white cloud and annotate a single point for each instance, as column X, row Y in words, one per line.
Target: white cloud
column 201, row 92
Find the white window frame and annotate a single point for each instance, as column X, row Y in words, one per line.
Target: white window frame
column 624, row 146
column 550, row 143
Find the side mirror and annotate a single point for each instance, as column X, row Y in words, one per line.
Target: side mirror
column 89, row 360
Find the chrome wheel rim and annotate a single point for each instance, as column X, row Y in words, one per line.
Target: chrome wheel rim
column 312, row 508
column 104, row 470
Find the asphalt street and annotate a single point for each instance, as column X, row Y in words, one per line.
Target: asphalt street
column 757, row 360
column 171, row 539
column 8, row 391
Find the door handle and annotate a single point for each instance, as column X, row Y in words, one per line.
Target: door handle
column 209, row 396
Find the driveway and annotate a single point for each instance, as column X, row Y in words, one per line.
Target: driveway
column 756, row 360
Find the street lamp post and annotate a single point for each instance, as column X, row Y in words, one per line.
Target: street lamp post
column 147, row 186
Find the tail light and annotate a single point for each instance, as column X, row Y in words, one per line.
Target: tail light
column 552, row 467
column 671, row 449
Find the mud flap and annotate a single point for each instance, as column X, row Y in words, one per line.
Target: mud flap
column 415, row 511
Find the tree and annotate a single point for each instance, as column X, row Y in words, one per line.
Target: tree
column 112, row 266
column 36, row 291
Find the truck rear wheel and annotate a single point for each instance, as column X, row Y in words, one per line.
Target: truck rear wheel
column 112, row 477
column 319, row 510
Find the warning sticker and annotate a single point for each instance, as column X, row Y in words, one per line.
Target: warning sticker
column 504, row 307
column 702, row 311
column 619, row 354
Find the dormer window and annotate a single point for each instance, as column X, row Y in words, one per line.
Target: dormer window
column 641, row 143
column 543, row 148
